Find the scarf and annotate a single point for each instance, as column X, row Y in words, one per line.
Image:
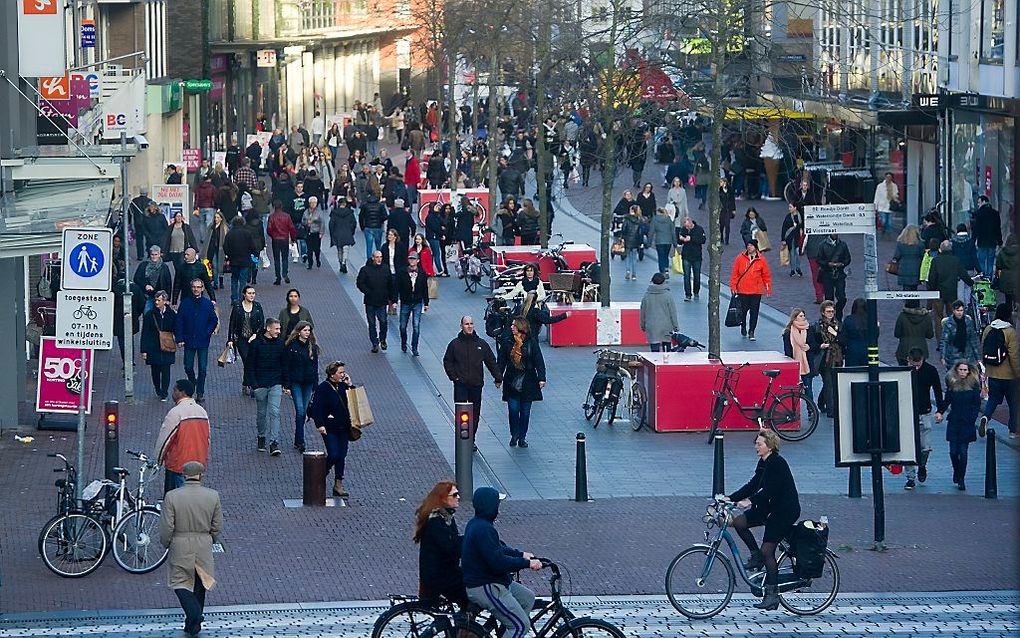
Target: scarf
column 516, row 353
column 152, row 271
column 960, row 339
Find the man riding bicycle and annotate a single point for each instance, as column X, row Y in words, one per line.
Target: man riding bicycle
column 488, row 563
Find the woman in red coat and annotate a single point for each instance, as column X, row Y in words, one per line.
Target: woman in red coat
column 421, row 248
column 750, row 279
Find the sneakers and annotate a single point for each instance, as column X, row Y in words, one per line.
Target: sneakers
column 261, row 445
column 750, row 336
column 375, row 349
column 276, row 283
column 522, row 443
column 382, row 344
column 922, row 474
column 300, row 447
column 910, row 484
column 513, row 441
column 274, row 449
column 286, row 280
column 414, row 353
column 687, row 298
column 983, row 426
column 743, row 331
column 403, row 347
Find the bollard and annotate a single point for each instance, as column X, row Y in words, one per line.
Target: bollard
column 991, row 482
column 854, row 489
column 581, row 472
column 464, row 446
column 314, row 477
column 111, row 438
column 718, row 466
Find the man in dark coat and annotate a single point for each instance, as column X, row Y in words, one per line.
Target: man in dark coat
column 944, row 276
column 238, row 248
column 691, row 237
column 376, row 284
column 463, row 361
column 138, row 207
column 191, row 269
column 987, row 231
column 266, row 356
column 154, row 226
column 413, row 293
column 833, row 258
column 401, row 221
column 196, row 322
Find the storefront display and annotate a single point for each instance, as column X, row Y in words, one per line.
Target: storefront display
column 983, row 162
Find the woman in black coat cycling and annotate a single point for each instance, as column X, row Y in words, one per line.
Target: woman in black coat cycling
column 772, row 498
column 435, row 531
column 332, row 418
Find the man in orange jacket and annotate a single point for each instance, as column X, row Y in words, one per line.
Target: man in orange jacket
column 183, row 437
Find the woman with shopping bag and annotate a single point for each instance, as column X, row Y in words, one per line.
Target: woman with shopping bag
column 332, row 418
column 749, row 279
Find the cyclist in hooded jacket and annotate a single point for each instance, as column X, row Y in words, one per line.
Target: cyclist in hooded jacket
column 487, row 563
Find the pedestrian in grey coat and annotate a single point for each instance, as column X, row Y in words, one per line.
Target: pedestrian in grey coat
column 191, row 522
column 662, row 235
column 658, row 314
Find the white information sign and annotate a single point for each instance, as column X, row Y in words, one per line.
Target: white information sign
column 87, row 263
column 839, row 218
column 903, row 295
column 85, row 320
column 41, row 38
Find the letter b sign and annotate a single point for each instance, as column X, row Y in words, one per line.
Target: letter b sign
column 118, row 120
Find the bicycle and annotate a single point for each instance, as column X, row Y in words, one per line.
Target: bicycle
column 612, row 371
column 689, row 579
column 775, row 410
column 551, row 618
column 411, row 617
column 108, row 517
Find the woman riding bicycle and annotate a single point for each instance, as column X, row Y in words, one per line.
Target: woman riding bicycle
column 772, row 498
column 436, row 532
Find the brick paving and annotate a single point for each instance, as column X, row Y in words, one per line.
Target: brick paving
column 363, row 552
column 958, row 614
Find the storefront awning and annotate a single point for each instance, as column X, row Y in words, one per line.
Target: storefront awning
column 856, row 117
column 765, row 113
column 33, row 215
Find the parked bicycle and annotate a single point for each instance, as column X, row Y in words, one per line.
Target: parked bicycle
column 792, row 414
column 701, row 579
column 613, row 377
column 108, row 517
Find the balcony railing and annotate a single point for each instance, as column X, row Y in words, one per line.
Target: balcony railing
column 300, row 16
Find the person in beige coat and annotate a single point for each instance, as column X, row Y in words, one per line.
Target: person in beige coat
column 191, row 522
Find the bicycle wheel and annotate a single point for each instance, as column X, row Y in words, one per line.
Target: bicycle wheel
column 579, row 627
column 638, row 406
column 789, row 410
column 73, row 545
column 692, row 595
column 599, row 409
column 406, row 620
column 817, row 593
column 590, row 402
column 613, row 405
column 136, row 546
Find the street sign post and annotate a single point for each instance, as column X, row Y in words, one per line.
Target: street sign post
column 87, row 259
column 85, row 307
column 839, row 218
column 902, row 295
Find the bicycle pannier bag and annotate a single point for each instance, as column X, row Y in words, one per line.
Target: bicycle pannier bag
column 993, row 347
column 808, row 541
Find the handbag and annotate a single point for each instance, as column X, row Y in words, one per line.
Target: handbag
column 517, row 383
column 678, row 263
column 433, row 285
column 893, row 267
column 784, row 256
column 354, row 433
column 358, row 406
column 167, row 342
column 301, row 230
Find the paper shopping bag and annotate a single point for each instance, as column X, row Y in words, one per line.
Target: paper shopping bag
column 433, row 285
column 357, row 404
column 784, row 255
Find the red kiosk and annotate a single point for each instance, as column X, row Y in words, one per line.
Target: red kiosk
column 573, row 254
column 589, row 324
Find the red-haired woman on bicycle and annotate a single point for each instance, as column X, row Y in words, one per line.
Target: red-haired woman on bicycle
column 436, row 532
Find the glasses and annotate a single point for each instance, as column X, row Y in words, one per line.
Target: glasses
column 455, row 495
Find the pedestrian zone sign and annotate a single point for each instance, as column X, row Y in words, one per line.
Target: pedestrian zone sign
column 86, row 259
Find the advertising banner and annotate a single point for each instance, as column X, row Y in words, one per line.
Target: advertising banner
column 60, row 380
column 171, row 199
column 479, row 197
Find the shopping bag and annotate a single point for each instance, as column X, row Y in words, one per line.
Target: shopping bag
column 678, row 263
column 784, row 255
column 619, row 248
column 264, row 259
column 433, row 285
column 452, row 252
column 295, row 254
column 227, row 356
column 733, row 313
column 357, row 404
column 763, row 241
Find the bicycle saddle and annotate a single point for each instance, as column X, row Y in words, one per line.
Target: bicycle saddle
column 772, row 374
column 120, row 471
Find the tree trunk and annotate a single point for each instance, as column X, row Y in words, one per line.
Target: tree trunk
column 474, row 111
column 542, row 153
column 608, row 179
column 492, row 135
column 451, row 105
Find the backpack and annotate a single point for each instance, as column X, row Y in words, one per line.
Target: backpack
column 808, row 541
column 993, row 347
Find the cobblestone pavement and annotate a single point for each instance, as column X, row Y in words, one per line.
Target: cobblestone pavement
column 919, row 615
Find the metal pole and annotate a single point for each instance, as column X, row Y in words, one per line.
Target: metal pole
column 991, row 481
column 464, row 450
column 129, row 358
column 581, row 471
column 718, row 467
column 81, row 426
column 877, row 487
column 854, row 489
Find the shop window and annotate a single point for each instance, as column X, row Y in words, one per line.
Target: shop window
column 983, row 164
column 992, row 32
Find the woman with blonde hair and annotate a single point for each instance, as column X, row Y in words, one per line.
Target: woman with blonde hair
column 436, row 533
column 300, row 375
column 795, row 343
column 907, row 258
column 961, row 404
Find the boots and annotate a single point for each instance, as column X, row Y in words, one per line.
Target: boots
column 338, row 488
column 922, row 467
column 755, row 562
column 956, row 469
column 771, row 599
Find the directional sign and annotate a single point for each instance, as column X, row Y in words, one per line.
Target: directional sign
column 839, row 218
column 85, row 320
column 86, row 259
column 903, row 295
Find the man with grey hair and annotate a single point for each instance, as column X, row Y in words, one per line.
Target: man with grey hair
column 944, row 276
column 463, row 361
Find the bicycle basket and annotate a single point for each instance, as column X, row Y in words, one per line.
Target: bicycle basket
column 618, row 358
column 724, row 376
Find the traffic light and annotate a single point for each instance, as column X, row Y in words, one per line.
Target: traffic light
column 464, row 420
column 111, row 419
column 111, row 438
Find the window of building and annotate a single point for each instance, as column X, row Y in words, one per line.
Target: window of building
column 992, row 30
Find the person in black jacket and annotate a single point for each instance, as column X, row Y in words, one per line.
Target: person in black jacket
column 160, row 318
column 401, row 221
column 154, row 226
column 435, row 531
column 238, row 247
column 301, row 375
column 771, row 495
column 463, row 361
column 833, row 258
column 435, row 235
column 332, row 417
column 371, row 218
column 253, row 224
column 190, row 269
column 266, row 354
column 152, row 276
column 488, row 563
column 435, row 171
column 376, row 284
column 413, row 293
column 247, row 321
column 520, row 361
column 691, row 237
column 924, row 380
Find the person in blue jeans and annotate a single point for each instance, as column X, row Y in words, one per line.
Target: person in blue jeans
column 372, row 217
column 332, row 417
column 523, row 368
column 413, row 293
column 266, row 354
column 301, row 375
column 195, row 324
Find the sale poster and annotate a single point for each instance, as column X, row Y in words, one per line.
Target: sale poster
column 60, row 380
